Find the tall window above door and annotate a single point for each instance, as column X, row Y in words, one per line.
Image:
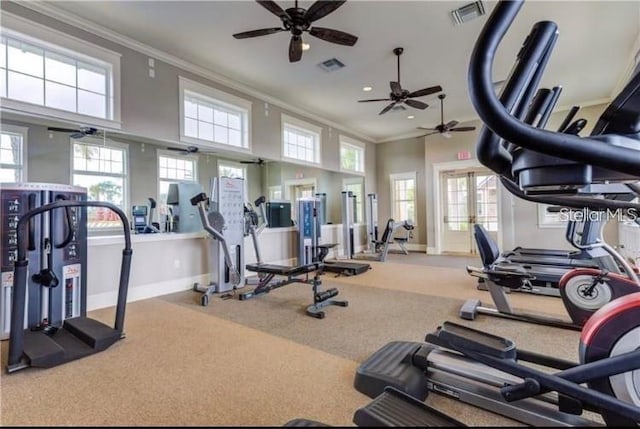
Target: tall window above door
column 351, row 155
column 46, row 72
column 403, row 196
column 212, row 117
column 300, row 141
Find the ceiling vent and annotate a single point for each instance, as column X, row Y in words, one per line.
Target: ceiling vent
column 468, row 12
column 331, row 65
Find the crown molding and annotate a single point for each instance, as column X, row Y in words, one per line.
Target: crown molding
column 47, row 9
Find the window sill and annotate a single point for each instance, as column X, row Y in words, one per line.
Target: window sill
column 108, row 240
column 29, row 110
column 301, row 162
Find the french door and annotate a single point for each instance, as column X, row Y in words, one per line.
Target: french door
column 468, row 197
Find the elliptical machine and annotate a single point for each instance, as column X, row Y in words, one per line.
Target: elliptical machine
column 545, row 163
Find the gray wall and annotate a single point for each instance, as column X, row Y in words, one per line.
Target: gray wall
column 150, row 114
column 402, row 156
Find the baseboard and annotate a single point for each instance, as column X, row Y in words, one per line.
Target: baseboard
column 431, row 251
column 136, row 293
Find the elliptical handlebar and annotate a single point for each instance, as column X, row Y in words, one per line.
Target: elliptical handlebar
column 620, row 157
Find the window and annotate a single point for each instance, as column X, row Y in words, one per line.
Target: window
column 356, row 187
column 173, row 169
column 351, row 155
column 295, row 189
column 232, row 169
column 403, row 196
column 45, row 72
column 13, row 141
column 210, row 115
column 300, row 140
column 101, row 168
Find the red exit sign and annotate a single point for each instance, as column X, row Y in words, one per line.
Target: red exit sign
column 464, row 154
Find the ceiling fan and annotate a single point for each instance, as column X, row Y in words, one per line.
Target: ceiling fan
column 297, row 21
column 258, row 161
column 189, row 150
column 443, row 128
column 400, row 95
column 76, row 133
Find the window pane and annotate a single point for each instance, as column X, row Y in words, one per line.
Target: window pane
column 234, row 121
column 234, row 138
column 110, row 189
column 10, row 148
column 91, row 104
column 9, row 175
column 220, row 134
column 221, row 118
column 205, row 131
column 26, row 88
column 190, row 110
column 92, row 78
column 191, row 128
column 60, row 69
column 205, row 113
column 60, row 96
column 3, row 52
column 3, row 82
column 25, row 58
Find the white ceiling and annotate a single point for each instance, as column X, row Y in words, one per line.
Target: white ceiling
column 595, row 46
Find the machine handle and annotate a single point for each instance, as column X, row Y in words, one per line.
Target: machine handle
column 31, row 245
column 67, row 224
column 198, row 199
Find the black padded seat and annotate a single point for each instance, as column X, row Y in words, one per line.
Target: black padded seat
column 282, row 270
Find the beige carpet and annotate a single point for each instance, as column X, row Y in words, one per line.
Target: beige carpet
column 260, row 362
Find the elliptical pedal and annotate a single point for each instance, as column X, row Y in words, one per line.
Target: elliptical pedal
column 396, row 409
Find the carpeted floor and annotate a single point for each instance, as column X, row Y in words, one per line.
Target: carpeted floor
column 261, row 362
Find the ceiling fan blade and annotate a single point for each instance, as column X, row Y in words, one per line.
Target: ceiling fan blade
column 273, row 7
column 450, row 124
column 177, row 149
column 63, row 130
column 77, row 135
column 463, row 129
column 429, row 134
column 386, row 109
column 417, row 104
column 428, row 129
column 375, row 99
column 321, row 8
column 333, row 36
column 295, row 49
column 425, row 91
column 256, row 33
column 396, row 88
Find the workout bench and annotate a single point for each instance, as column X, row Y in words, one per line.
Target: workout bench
column 297, row 274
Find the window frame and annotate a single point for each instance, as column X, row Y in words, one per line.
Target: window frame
column 24, row 132
column 234, row 164
column 360, row 205
column 403, row 176
column 126, row 203
column 171, row 154
column 221, row 99
column 55, row 41
column 296, row 124
column 358, row 146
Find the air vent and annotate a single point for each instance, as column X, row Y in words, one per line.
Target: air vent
column 468, row 12
column 331, row 65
